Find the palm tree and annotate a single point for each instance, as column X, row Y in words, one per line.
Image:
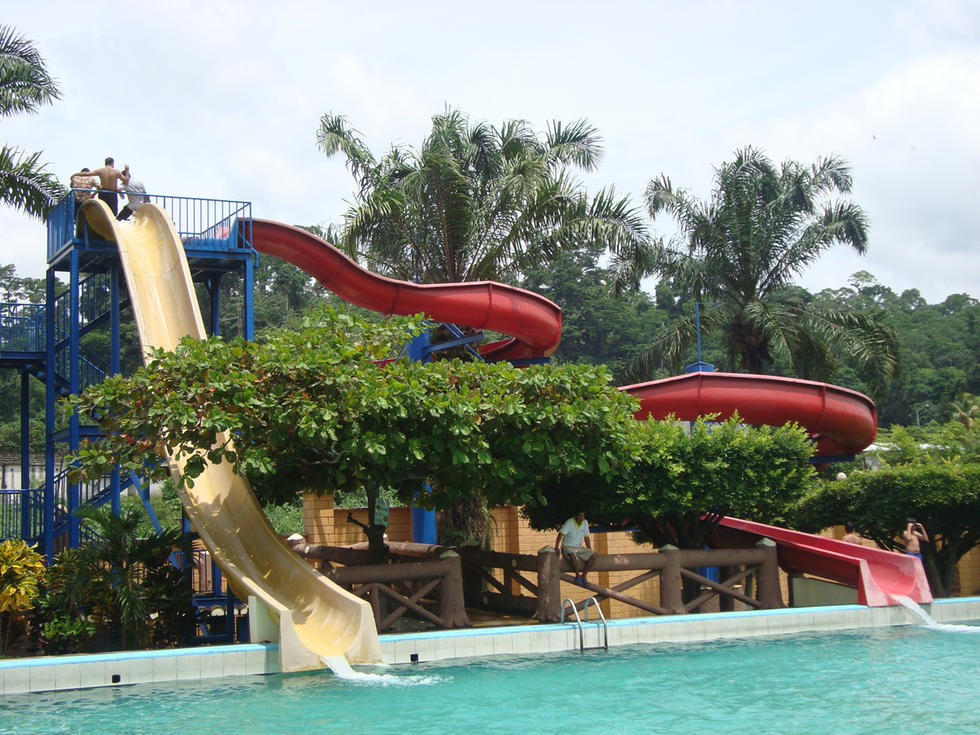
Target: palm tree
column 25, row 85
column 965, row 409
column 477, row 202
column 738, row 253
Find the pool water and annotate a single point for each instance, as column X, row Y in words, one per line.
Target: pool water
column 876, row 681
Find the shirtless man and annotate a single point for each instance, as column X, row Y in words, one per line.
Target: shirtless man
column 109, row 179
column 914, row 533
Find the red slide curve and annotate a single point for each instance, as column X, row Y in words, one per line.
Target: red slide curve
column 532, row 321
column 843, row 421
column 878, row 575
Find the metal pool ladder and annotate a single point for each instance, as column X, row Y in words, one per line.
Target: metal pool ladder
column 578, row 621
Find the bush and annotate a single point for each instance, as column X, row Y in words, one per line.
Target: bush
column 21, row 571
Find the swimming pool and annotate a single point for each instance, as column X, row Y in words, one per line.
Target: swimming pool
column 871, row 681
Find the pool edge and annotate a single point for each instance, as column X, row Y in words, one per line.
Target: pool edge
column 81, row 671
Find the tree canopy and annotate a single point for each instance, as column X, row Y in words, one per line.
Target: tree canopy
column 310, row 409
column 684, row 478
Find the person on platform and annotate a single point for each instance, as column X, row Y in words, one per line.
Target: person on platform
column 109, row 180
column 135, row 198
column 573, row 543
column 85, row 184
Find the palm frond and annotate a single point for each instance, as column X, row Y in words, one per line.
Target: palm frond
column 25, row 184
column 25, row 83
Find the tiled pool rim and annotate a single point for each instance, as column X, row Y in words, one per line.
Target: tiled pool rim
column 51, row 673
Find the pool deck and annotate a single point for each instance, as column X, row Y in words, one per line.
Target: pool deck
column 52, row 673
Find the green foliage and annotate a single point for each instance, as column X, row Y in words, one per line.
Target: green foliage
column 67, row 634
column 121, row 583
column 310, row 409
column 21, row 570
column 286, row 518
column 944, row 496
column 682, row 481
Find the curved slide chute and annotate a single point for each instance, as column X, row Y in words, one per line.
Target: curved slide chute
column 532, row 321
column 879, row 576
column 842, row 420
column 317, row 619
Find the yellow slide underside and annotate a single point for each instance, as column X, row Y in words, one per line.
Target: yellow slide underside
column 317, row 618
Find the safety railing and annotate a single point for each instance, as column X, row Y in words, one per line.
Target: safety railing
column 21, row 513
column 21, row 327
column 201, row 224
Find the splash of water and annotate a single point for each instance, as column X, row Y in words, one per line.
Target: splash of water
column 343, row 670
column 910, row 604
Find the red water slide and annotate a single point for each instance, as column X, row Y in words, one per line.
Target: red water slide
column 532, row 321
column 878, row 575
column 843, row 421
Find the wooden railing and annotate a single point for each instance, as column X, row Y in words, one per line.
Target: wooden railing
column 541, row 575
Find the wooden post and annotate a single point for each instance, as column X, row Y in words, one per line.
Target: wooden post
column 451, row 607
column 768, row 595
column 726, row 603
column 671, row 583
column 549, row 586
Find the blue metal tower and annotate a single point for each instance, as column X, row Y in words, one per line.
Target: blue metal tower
column 52, row 342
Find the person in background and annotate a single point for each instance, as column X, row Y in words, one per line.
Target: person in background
column 135, row 198
column 850, row 535
column 915, row 533
column 573, row 543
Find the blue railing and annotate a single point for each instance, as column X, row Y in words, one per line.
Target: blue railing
column 21, row 327
column 201, row 224
column 21, row 513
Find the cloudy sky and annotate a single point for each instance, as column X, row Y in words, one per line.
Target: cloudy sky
column 223, row 99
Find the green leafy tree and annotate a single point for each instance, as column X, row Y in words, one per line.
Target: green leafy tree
column 25, row 85
column 311, row 410
column 684, row 480
column 476, row 201
column 598, row 325
column 739, row 251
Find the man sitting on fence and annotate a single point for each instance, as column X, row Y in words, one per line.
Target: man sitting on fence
column 573, row 543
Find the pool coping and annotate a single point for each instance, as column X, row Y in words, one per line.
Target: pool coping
column 80, row 671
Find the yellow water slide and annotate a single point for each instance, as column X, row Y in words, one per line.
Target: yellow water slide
column 317, row 619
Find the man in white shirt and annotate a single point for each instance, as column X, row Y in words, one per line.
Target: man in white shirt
column 135, row 198
column 573, row 543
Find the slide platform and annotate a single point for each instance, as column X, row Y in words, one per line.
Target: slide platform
column 532, row 321
column 316, row 617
